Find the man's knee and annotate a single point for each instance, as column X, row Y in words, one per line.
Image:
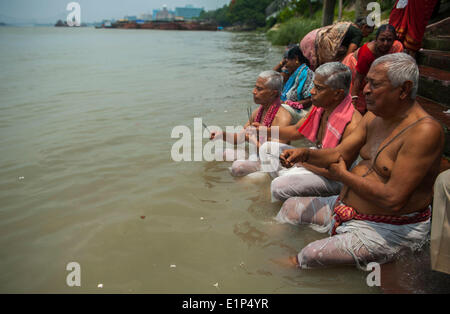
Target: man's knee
column 285, row 187
column 309, row 257
column 278, row 188
column 290, row 212
column 241, row 168
column 237, row 169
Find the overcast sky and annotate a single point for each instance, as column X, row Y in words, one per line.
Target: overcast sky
column 48, row 11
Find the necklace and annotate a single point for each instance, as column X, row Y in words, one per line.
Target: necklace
column 270, row 114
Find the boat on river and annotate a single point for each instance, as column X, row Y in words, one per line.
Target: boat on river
column 165, row 25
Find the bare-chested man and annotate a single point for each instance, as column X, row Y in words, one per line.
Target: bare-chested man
column 266, row 93
column 384, row 206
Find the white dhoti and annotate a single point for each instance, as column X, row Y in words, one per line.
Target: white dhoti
column 356, row 241
column 295, row 181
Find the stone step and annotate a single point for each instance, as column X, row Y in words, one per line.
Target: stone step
column 440, row 42
column 440, row 27
column 434, row 58
column 434, row 84
column 412, row 274
column 435, row 109
column 438, row 112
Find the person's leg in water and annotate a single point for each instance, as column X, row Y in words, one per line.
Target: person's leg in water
column 268, row 155
column 244, row 166
column 241, row 168
column 341, row 249
column 299, row 181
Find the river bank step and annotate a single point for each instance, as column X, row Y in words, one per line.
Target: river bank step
column 434, row 84
column 434, row 58
column 437, row 111
column 413, row 274
column 440, row 42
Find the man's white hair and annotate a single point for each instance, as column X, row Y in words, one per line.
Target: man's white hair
column 401, row 67
column 274, row 80
column 338, row 75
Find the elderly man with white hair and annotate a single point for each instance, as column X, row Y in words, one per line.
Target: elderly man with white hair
column 332, row 118
column 270, row 113
column 384, row 205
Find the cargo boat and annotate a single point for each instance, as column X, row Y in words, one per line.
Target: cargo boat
column 165, row 25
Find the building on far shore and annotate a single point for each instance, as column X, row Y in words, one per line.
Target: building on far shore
column 164, row 14
column 146, row 17
column 188, row 12
column 181, row 13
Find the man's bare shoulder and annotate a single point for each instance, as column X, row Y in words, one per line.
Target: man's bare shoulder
column 353, row 124
column 356, row 118
column 425, row 132
column 283, row 117
column 368, row 120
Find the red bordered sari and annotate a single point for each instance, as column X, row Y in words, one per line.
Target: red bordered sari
column 351, row 61
column 410, row 21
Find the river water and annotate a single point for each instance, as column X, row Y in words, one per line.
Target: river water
column 86, row 173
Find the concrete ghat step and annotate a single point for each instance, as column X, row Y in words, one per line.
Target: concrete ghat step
column 437, row 111
column 437, row 43
column 412, row 274
column 439, row 28
column 434, row 58
column 434, row 84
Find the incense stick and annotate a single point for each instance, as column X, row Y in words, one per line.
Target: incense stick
column 206, row 127
column 273, row 155
column 249, row 113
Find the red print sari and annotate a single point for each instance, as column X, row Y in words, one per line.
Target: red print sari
column 410, row 17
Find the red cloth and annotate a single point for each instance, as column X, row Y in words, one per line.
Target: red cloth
column 345, row 213
column 411, row 21
column 365, row 59
column 337, row 121
column 294, row 104
column 351, row 61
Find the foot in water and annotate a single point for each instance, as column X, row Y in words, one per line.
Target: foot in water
column 286, row 262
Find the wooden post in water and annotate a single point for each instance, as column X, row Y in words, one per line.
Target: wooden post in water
column 340, row 11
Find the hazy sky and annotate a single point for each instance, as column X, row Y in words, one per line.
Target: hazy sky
column 48, row 11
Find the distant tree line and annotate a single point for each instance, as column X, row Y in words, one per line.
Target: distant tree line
column 248, row 13
column 252, row 13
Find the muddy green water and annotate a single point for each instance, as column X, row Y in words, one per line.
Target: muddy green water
column 86, row 173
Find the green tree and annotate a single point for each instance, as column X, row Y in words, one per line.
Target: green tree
column 220, row 16
column 249, row 12
column 297, row 8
